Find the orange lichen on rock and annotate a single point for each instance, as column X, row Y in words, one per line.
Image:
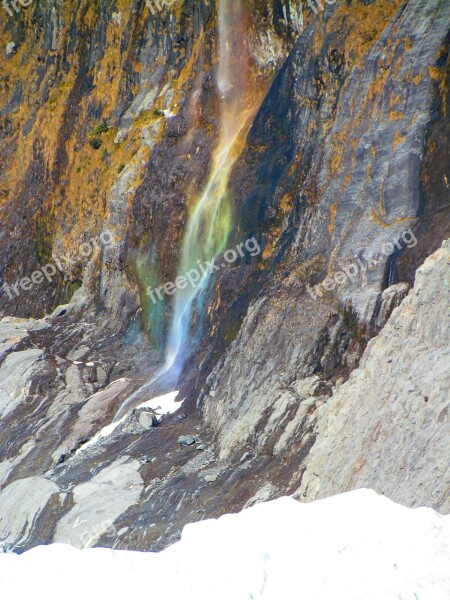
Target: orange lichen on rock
column 365, row 24
column 331, row 224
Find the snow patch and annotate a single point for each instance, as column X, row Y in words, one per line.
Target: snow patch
column 161, row 405
column 356, row 546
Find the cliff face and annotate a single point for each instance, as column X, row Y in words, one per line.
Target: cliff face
column 95, row 97
column 351, row 181
column 110, row 120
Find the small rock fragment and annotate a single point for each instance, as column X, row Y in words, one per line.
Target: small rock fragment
column 186, row 440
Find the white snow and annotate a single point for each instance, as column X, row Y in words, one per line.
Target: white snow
column 162, row 405
column 356, row 546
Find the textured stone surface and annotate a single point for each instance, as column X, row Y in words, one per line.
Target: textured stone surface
column 20, row 506
column 387, row 428
column 16, row 375
column 12, row 331
column 351, row 199
column 99, row 502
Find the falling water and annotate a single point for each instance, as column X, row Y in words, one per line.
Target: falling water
column 210, row 222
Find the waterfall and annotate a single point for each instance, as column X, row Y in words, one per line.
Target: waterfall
column 210, row 222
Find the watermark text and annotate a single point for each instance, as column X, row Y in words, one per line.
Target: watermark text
column 194, row 276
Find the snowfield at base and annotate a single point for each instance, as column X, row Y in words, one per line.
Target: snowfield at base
column 355, row 546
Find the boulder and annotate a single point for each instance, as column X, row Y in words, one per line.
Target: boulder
column 187, row 440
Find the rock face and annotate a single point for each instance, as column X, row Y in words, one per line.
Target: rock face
column 321, row 362
column 91, row 516
column 21, row 505
column 294, row 337
column 391, row 417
